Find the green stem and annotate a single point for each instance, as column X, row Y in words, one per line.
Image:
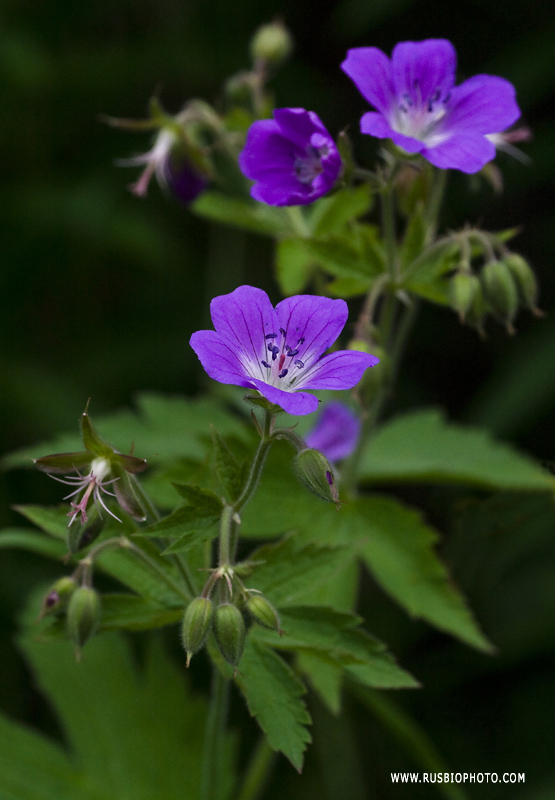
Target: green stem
column 435, row 201
column 264, row 445
column 258, row 771
column 388, row 223
column 298, row 221
column 212, row 756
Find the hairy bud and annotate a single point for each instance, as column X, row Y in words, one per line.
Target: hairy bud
column 230, row 632
column 500, row 291
column 57, row 597
column 463, row 287
column 83, row 615
column 525, row 280
column 271, row 44
column 316, row 472
column 196, row 624
column 263, row 612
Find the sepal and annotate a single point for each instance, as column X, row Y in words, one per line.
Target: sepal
column 315, row 471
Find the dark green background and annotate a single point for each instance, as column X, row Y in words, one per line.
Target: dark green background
column 100, row 292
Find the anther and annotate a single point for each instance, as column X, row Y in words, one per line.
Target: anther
column 283, row 373
column 270, row 336
column 299, row 363
column 265, row 364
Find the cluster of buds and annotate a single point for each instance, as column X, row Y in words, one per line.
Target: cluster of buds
column 97, row 467
column 502, row 287
column 228, row 622
column 73, row 597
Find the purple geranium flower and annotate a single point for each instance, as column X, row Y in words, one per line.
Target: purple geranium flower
column 279, row 351
column 172, row 170
column 420, row 108
column 336, row 432
column 292, row 158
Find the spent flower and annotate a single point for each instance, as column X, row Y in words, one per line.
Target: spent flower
column 419, row 107
column 336, row 432
column 279, row 352
column 292, row 158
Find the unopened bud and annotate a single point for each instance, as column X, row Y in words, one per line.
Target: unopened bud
column 57, row 597
column 525, row 280
column 271, row 44
column 230, row 632
column 476, row 314
column 500, row 291
column 83, row 615
column 263, row 612
column 463, row 287
column 316, row 472
column 196, row 624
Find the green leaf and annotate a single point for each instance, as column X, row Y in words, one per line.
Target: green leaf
column 423, row 447
column 414, row 238
column 134, row 613
column 294, row 265
column 52, row 520
column 346, row 255
column 183, row 519
column 134, row 733
column 34, row 768
column 425, row 276
column 244, row 214
column 331, row 214
column 348, row 287
column 230, row 472
column 203, row 501
column 398, row 548
column 32, row 541
column 273, row 694
column 292, row 570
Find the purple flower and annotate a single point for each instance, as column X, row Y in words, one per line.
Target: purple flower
column 171, row 170
column 420, row 108
column 336, row 432
column 279, row 351
column 292, row 158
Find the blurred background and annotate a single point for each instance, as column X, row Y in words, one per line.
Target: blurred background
column 100, row 292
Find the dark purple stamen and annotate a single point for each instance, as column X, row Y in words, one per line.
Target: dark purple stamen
column 283, row 331
column 265, row 364
column 329, row 477
column 299, row 363
column 283, row 373
column 291, row 352
column 301, row 340
column 270, row 336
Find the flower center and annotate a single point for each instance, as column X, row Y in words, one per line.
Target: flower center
column 282, row 362
column 420, row 117
column 309, row 166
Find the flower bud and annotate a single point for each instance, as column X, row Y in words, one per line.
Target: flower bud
column 263, row 612
column 315, row 471
column 525, row 280
column 230, row 632
column 463, row 287
column 57, row 597
column 500, row 291
column 271, row 44
column 83, row 615
column 196, row 624
column 478, row 311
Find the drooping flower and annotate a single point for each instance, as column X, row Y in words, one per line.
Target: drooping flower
column 292, row 158
column 172, row 169
column 96, row 467
column 336, row 432
column 422, row 111
column 279, row 352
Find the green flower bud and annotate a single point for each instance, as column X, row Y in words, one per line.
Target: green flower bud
column 316, row 472
column 271, row 43
column 230, row 632
column 196, row 624
column 57, row 597
column 83, row 615
column 500, row 291
column 478, row 311
column 263, row 612
column 525, row 280
column 463, row 287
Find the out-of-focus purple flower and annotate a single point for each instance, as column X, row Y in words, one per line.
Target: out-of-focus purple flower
column 420, row 108
column 172, row 170
column 336, row 432
column 292, row 158
column 279, row 351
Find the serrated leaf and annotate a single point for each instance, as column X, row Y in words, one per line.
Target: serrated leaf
column 425, row 276
column 294, row 265
column 273, row 695
column 191, row 539
column 291, row 570
column 340, row 256
column 423, row 447
column 230, row 472
column 203, row 501
column 184, row 519
column 398, row 548
column 244, row 214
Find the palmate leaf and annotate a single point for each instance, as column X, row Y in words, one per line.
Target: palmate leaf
column 423, row 447
column 274, row 697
